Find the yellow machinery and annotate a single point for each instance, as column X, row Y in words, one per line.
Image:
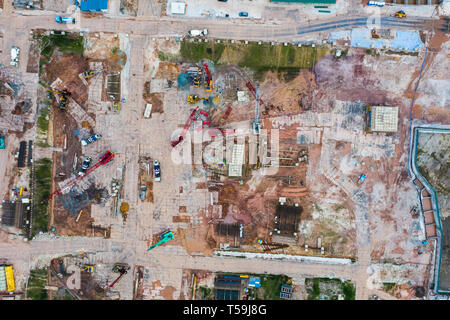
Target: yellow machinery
column 62, row 97
column 90, row 73
column 208, row 86
column 88, row 268
column 196, row 81
column 9, row 272
column 192, row 98
column 400, row 14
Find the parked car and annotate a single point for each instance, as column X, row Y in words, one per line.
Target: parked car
column 243, row 14
column 85, row 165
column 15, row 51
column 91, row 139
column 157, row 170
column 222, row 0
column 60, row 19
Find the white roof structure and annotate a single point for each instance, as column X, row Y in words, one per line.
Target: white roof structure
column 178, row 8
column 237, row 160
column 383, row 119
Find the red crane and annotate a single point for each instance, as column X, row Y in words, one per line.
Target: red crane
column 208, row 84
column 253, row 91
column 107, row 157
column 185, row 128
column 122, row 269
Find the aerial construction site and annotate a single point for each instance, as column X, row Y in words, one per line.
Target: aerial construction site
column 150, row 154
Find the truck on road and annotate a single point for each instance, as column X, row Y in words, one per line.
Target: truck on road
column 60, row 19
column 197, row 33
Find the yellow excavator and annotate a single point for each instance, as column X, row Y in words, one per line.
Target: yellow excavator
column 63, row 100
column 88, row 268
column 196, row 81
column 192, row 98
column 400, row 14
column 90, row 73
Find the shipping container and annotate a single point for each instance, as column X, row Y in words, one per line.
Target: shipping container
column 10, row 278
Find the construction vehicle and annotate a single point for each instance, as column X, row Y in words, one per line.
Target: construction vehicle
column 90, row 73
column 208, row 82
column 362, row 178
column 196, row 81
column 104, row 159
column 63, row 94
column 119, row 268
column 87, row 268
column 165, row 237
column 192, row 98
column 60, row 19
column 185, row 129
column 400, row 14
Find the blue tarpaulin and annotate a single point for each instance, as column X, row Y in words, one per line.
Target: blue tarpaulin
column 93, row 5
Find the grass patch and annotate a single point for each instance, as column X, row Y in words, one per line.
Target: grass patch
column 195, row 51
column 388, row 286
column 36, row 284
column 349, row 290
column 259, row 58
column 42, row 120
column 272, row 286
column 329, row 289
column 42, row 189
column 205, row 293
column 68, row 43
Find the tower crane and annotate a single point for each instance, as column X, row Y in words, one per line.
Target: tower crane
column 107, row 157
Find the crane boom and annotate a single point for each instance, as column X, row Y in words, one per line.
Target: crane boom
column 253, row 91
column 185, row 128
column 164, row 238
column 108, row 156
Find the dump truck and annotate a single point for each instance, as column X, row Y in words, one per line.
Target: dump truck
column 60, row 19
column 197, row 33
